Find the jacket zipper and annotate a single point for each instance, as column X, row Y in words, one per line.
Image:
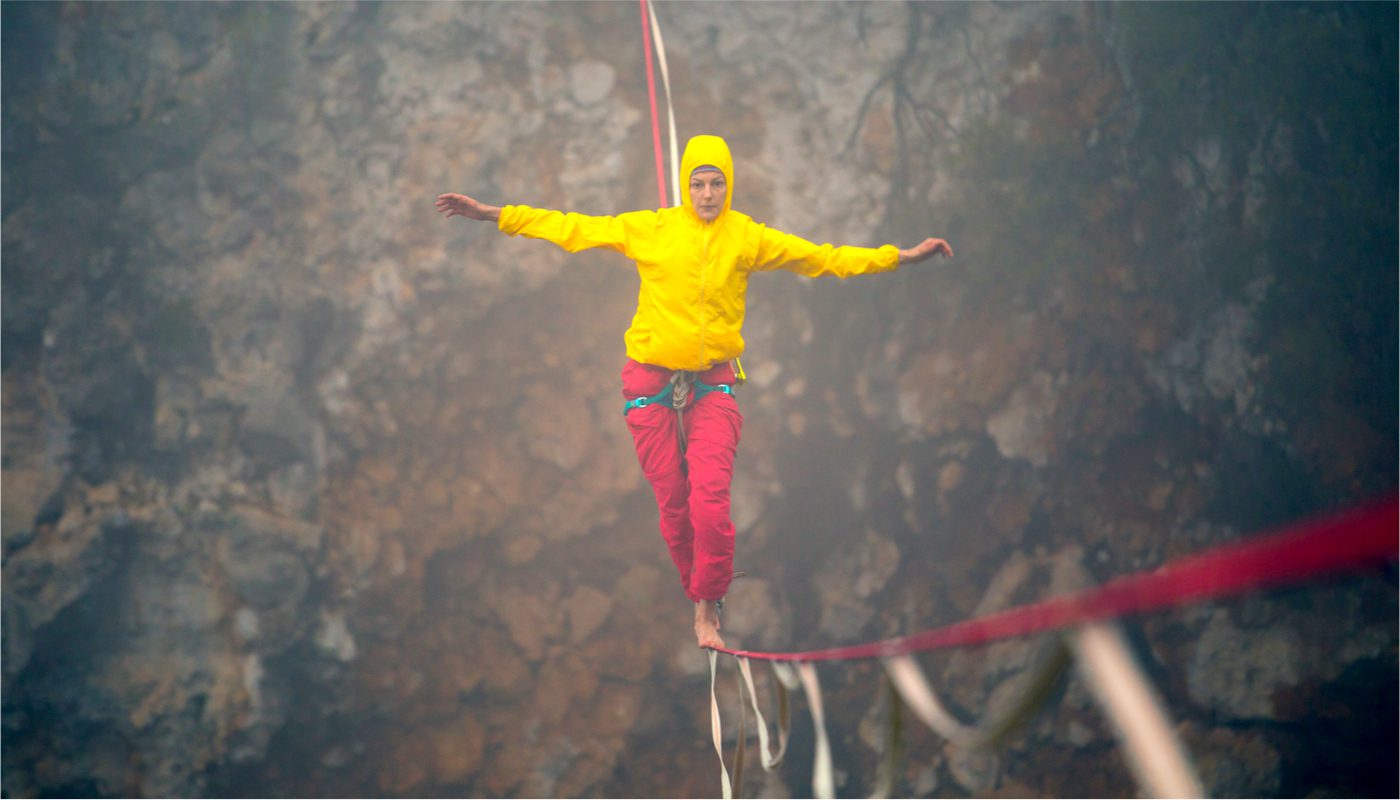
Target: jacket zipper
column 704, row 268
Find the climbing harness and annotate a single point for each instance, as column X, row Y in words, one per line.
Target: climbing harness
column 677, row 393
column 681, row 391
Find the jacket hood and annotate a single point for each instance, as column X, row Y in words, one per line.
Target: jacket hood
column 702, row 150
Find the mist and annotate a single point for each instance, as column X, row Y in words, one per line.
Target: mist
column 309, row 491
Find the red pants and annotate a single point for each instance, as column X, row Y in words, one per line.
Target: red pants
column 692, row 487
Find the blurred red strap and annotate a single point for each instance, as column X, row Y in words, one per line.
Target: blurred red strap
column 1349, row 541
column 651, row 96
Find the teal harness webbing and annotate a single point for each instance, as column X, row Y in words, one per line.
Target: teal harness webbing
column 681, row 391
column 668, row 398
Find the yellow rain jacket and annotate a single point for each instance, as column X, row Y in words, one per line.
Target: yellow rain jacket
column 690, row 308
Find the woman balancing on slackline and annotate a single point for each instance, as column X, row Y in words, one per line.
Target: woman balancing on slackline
column 694, row 262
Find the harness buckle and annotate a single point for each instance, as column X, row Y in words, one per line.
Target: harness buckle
column 682, row 391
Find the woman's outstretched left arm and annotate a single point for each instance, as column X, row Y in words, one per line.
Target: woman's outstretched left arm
column 924, row 250
column 459, row 205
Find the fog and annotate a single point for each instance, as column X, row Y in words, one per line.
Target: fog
column 309, row 491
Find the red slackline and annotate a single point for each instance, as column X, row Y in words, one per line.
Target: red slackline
column 1347, row 541
column 651, row 96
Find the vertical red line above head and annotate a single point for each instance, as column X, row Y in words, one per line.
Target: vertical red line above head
column 651, row 97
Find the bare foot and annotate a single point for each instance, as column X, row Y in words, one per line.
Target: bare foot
column 707, row 624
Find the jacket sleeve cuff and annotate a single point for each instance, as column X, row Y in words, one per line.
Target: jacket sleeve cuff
column 889, row 256
column 510, row 220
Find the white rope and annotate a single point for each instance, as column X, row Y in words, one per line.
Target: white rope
column 822, row 784
column 770, row 760
column 670, row 108
column 1154, row 753
column 785, row 675
column 715, row 729
column 1036, row 688
column 892, row 746
column 920, row 698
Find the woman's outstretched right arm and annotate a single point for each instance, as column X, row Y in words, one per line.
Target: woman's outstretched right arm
column 571, row 231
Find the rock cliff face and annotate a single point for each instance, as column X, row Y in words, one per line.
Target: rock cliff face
column 308, row 491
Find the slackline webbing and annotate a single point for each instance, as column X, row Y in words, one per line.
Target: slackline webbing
column 651, row 97
column 1342, row 542
column 717, row 733
column 1350, row 541
column 675, row 172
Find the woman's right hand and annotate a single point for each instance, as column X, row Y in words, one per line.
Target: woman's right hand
column 459, row 205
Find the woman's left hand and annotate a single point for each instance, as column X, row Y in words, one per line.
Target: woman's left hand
column 925, row 250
